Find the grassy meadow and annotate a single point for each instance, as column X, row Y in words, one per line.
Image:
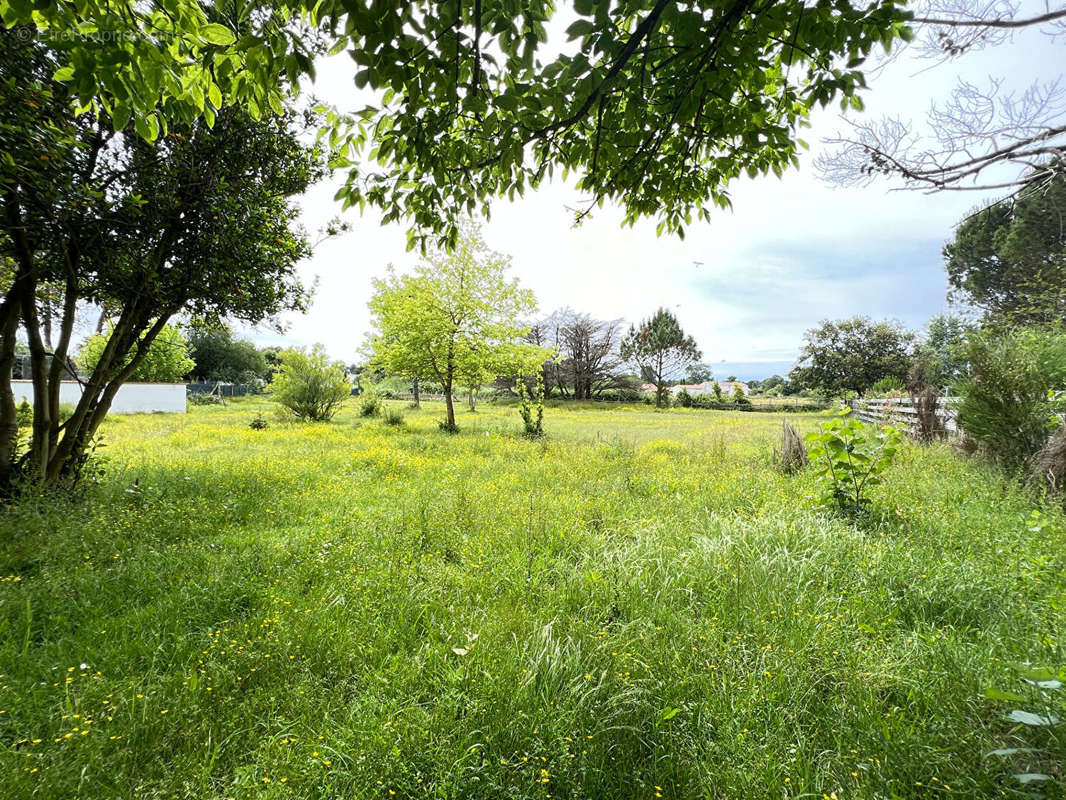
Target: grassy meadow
column 636, row 606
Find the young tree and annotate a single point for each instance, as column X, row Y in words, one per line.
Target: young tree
column 310, row 385
column 852, row 355
column 943, row 351
column 199, row 221
column 1009, row 259
column 456, row 318
column 166, row 361
column 660, row 350
column 657, row 105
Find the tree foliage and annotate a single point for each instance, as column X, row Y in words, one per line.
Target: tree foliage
column 166, row 360
column 197, row 221
column 1009, row 259
column 220, row 357
column 1008, row 400
column 660, row 350
column 851, row 355
column 942, row 350
column 699, row 373
column 456, row 319
column 657, row 105
column 309, row 385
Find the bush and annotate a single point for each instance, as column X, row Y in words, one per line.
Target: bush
column 621, row 394
column 850, row 458
column 309, row 385
column 683, row 399
column 448, row 427
column 1008, row 404
column 201, row 399
column 259, row 423
column 887, row 387
column 531, row 408
column 370, row 403
column 393, row 417
column 24, row 415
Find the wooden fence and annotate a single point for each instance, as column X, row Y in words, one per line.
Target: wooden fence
column 900, row 411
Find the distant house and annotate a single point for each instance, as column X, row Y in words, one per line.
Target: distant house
column 707, row 387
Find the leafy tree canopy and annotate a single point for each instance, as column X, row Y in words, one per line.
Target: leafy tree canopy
column 1009, row 259
column 851, row 355
column 656, row 104
column 220, row 357
column 456, row 318
column 699, row 373
column 198, row 220
column 660, row 350
column 166, row 360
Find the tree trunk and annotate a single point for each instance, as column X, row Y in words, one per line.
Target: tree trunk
column 449, row 409
column 470, row 397
column 9, row 321
column 414, row 389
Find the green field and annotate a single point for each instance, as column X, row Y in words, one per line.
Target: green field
column 636, row 606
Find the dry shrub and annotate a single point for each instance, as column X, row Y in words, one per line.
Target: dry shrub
column 925, row 400
column 1049, row 465
column 792, row 457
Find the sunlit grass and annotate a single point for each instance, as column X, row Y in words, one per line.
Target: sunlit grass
column 635, row 606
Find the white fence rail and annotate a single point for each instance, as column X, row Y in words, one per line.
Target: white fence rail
column 900, row 411
column 131, row 398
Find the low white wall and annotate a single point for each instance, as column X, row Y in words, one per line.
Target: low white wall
column 131, row 398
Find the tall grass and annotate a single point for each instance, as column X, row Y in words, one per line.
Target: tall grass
column 636, row 605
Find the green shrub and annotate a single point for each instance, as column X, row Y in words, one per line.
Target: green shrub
column 850, row 458
column 370, row 402
column 259, row 423
column 531, row 407
column 203, row 399
column 309, row 385
column 887, row 387
column 393, row 416
column 24, row 415
column 1008, row 402
column 683, row 399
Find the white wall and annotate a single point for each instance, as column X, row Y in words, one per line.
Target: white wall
column 131, row 398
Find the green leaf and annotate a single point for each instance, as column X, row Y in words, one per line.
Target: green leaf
column 1027, row 778
column 213, row 33
column 582, row 27
column 120, row 116
column 1031, row 719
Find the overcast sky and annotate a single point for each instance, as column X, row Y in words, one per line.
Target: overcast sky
column 791, row 252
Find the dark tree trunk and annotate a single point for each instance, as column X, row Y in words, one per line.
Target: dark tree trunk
column 9, row 321
column 414, row 391
column 449, row 409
